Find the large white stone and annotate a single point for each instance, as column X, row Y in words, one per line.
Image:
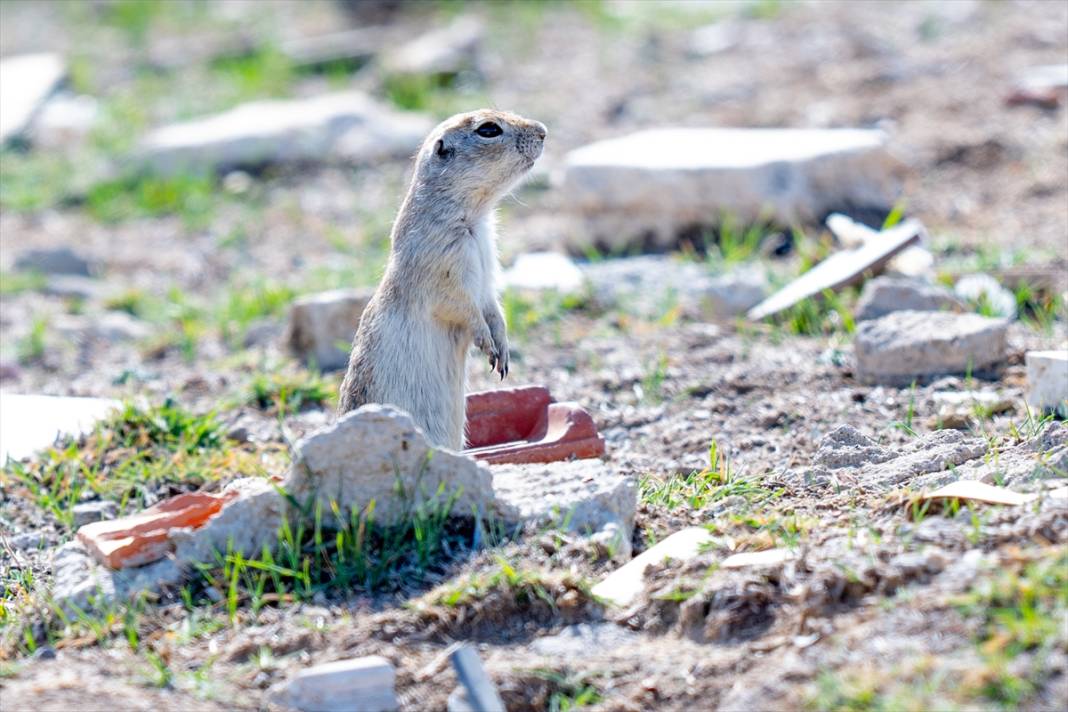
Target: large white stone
column 26, row 80
column 659, row 181
column 376, row 453
column 29, row 423
column 346, row 126
column 321, row 326
column 354, row 685
column 536, row 271
column 1047, row 380
column 624, row 584
column 908, row 345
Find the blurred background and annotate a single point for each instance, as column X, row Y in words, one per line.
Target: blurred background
column 175, row 174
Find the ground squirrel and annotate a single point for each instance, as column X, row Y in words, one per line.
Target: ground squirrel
column 438, row 294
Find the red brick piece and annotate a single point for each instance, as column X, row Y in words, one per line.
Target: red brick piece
column 522, row 425
column 145, row 537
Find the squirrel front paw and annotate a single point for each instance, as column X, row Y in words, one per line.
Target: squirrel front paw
column 495, row 347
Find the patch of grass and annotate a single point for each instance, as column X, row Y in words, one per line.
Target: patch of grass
column 522, row 585
column 522, row 313
column 191, row 197
column 34, row 180
column 18, row 282
column 265, row 72
column 131, row 458
column 1038, row 309
column 570, row 692
column 652, row 385
column 290, row 392
column 340, row 554
column 819, row 316
column 701, row 487
column 243, row 304
column 31, row 347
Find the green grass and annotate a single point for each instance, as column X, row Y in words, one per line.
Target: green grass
column 337, row 554
column 12, row 283
column 700, row 488
column 288, row 392
column 191, row 197
column 523, row 313
column 32, row 347
column 819, row 316
column 244, row 303
column 129, row 459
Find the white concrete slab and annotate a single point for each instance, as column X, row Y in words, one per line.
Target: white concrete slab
column 29, row 423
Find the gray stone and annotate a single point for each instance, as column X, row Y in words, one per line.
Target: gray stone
column 654, row 183
column 1047, row 381
column 935, row 452
column 583, row 639
column 908, row 345
column 27, row 541
column 982, row 289
column 87, row 512
column 734, row 293
column 57, row 260
column 884, row 295
column 26, row 80
column 845, row 446
column 446, row 50
column 346, row 126
column 650, row 284
column 72, row 286
column 584, row 494
column 355, row 685
column 376, row 453
column 321, row 326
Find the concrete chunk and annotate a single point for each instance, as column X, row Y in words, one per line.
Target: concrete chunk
column 29, row 423
column 321, row 326
column 1047, row 380
column 344, row 126
column 624, row 584
column 356, row 685
column 908, row 345
column 655, row 183
column 26, row 80
column 884, row 295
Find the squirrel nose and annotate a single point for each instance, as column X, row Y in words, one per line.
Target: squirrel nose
column 539, row 129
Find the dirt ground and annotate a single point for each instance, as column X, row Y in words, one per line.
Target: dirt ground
column 880, row 607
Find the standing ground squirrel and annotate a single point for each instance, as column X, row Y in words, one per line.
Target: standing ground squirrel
column 438, row 294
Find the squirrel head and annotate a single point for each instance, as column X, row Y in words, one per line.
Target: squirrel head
column 475, row 158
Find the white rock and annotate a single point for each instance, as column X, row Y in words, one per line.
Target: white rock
column 355, row 685
column 624, row 584
column 345, row 126
column 66, row 118
column 29, row 423
column 26, row 80
column 321, row 326
column 884, row 295
column 1047, row 380
column 244, row 525
column 446, row 50
column 376, row 453
column 654, row 183
column 537, row 271
column 734, row 293
column 908, row 345
column 982, row 288
column 584, row 494
column 1049, row 76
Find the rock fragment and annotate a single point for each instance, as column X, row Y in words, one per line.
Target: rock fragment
column 26, row 81
column 346, row 126
column 1047, row 381
column 57, row 260
column 906, row 346
column 646, row 187
column 886, row 294
column 355, row 685
column 321, row 326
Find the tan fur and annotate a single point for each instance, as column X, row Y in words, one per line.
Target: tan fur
column 438, row 295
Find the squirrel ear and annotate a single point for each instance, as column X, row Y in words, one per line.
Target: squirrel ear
column 439, row 148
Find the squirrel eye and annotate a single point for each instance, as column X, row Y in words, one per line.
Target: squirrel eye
column 489, row 130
